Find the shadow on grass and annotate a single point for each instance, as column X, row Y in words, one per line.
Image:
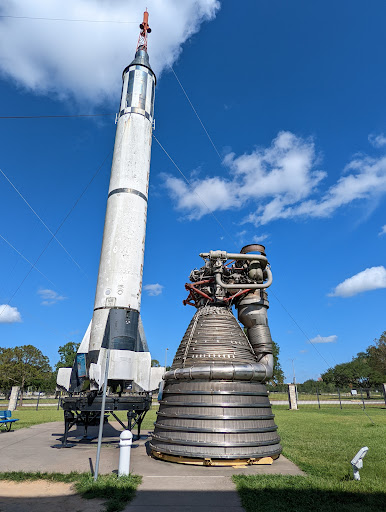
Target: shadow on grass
column 302, row 494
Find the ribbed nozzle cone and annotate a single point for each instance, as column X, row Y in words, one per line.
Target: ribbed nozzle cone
column 213, row 336
column 219, row 419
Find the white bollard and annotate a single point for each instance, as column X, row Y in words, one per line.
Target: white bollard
column 125, row 442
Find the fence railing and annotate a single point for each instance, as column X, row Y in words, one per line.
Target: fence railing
column 341, row 398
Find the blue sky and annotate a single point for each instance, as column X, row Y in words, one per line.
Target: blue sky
column 292, row 96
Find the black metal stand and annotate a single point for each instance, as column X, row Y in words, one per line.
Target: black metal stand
column 84, row 410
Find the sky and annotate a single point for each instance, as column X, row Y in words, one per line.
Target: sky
column 275, row 113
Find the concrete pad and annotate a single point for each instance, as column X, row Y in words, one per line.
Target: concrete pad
column 165, row 486
column 38, row 448
column 186, row 494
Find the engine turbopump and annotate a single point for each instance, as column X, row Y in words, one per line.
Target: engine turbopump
column 215, row 407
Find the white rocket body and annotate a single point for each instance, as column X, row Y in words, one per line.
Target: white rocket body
column 119, row 282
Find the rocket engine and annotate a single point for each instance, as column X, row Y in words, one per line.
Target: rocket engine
column 214, row 407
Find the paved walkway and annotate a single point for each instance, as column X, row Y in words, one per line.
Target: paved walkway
column 165, row 486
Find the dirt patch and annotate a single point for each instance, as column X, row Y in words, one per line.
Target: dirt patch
column 42, row 495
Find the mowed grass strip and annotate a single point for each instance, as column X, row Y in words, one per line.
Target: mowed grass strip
column 116, row 492
column 322, row 443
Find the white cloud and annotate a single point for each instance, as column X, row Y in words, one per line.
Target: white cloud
column 85, row 60
column 383, row 230
column 324, row 339
column 370, row 279
column 9, row 314
column 50, row 297
column 258, row 239
column 377, row 140
column 280, row 182
column 153, row 289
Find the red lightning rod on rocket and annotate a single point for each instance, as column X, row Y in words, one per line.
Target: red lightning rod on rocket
column 145, row 29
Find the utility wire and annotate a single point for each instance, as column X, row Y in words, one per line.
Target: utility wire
column 55, row 117
column 298, row 326
column 218, row 154
column 67, row 19
column 42, row 221
column 57, row 230
column 25, row 259
column 195, row 111
column 194, row 191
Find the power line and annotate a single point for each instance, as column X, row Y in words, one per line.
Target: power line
column 194, row 191
column 68, row 19
column 57, row 230
column 55, row 117
column 218, row 154
column 25, row 259
column 298, row 326
column 195, row 111
column 42, row 221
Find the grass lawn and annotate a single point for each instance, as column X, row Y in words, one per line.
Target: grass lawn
column 322, row 443
column 30, row 416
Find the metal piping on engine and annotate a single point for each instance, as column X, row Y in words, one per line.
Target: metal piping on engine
column 249, row 286
column 257, row 371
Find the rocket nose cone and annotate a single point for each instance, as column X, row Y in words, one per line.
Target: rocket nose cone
column 141, row 58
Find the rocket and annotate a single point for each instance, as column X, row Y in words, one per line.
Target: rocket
column 118, row 293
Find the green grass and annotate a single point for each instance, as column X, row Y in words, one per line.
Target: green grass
column 116, row 492
column 30, row 416
column 322, row 443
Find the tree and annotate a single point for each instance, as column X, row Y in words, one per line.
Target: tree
column 356, row 373
column 278, row 374
column 155, row 363
column 24, row 366
column 67, row 354
column 377, row 356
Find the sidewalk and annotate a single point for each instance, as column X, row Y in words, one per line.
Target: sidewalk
column 165, row 485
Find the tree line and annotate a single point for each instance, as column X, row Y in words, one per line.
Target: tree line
column 26, row 366
column 365, row 370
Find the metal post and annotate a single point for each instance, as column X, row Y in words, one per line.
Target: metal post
column 363, row 401
column 37, row 404
column 340, row 401
column 166, row 357
column 59, row 400
column 317, row 395
column 125, row 442
column 102, row 418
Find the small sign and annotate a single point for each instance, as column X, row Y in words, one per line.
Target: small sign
column 81, row 365
column 354, row 392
